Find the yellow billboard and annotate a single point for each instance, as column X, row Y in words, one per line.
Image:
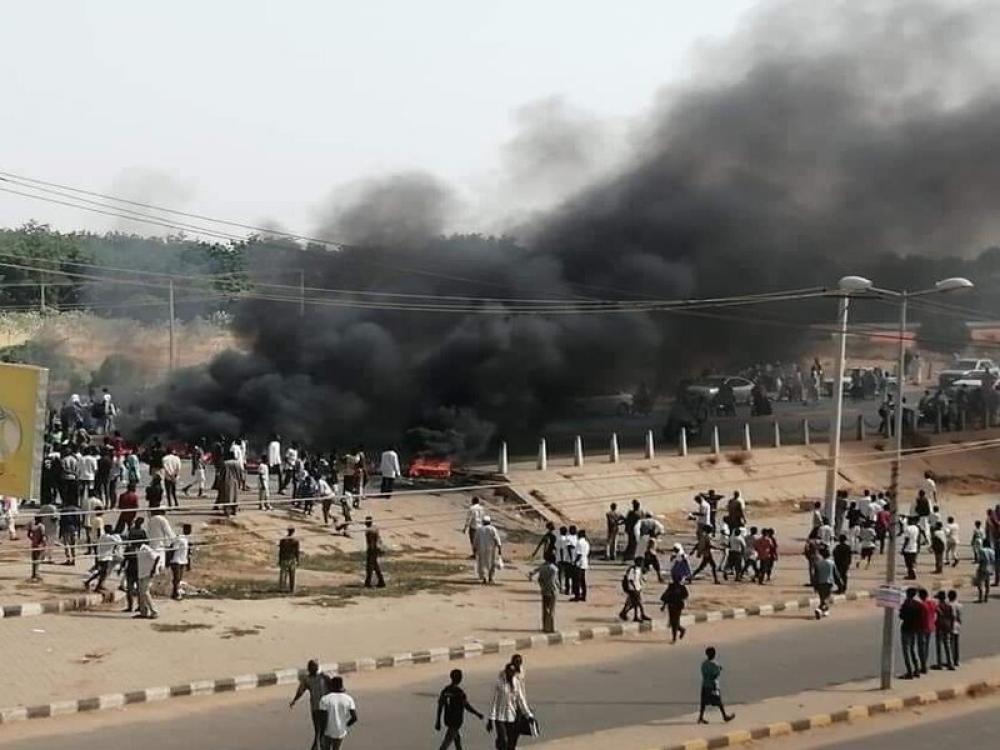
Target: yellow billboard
column 22, row 428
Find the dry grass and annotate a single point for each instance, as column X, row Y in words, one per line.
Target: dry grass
column 739, row 459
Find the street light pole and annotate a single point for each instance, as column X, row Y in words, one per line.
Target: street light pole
column 838, row 409
column 888, row 624
column 889, row 621
column 847, row 286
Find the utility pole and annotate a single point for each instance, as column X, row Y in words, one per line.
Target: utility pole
column 302, row 293
column 170, row 365
column 838, row 411
column 889, row 623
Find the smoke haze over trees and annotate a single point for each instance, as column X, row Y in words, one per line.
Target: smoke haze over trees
column 823, row 139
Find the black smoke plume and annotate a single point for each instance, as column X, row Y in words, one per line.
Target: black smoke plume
column 852, row 137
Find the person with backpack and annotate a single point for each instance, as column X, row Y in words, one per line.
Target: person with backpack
column 632, row 587
column 944, row 626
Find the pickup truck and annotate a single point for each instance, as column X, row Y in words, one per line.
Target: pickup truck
column 960, row 367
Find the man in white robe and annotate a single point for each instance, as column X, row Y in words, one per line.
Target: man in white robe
column 488, row 547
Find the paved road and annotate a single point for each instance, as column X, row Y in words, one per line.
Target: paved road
column 979, row 730
column 646, row 681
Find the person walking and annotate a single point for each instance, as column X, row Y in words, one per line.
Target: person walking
column 825, row 576
column 315, row 683
column 38, row 539
column 390, row 471
column 703, row 549
column 507, row 704
column 632, row 519
column 548, row 586
column 473, row 522
column 104, row 557
column 137, row 537
column 911, row 547
column 289, row 554
column 263, row 484
column 148, row 562
column 488, row 549
column 632, row 586
column 197, row 470
column 171, row 475
column 341, row 714
column 229, row 480
column 711, row 692
column 274, row 458
column 451, row 706
column 985, row 563
column 842, row 556
column 674, row 600
column 373, row 550
column 180, row 560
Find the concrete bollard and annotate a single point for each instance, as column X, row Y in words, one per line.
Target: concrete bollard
column 543, row 455
column 861, row 427
column 578, row 451
column 503, row 465
column 613, row 454
column 937, row 421
column 716, row 446
column 682, row 442
column 747, row 445
column 777, row 434
column 805, row 431
column 961, row 420
column 650, row 448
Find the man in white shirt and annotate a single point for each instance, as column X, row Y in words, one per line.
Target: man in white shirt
column 473, row 520
column 911, row 546
column 161, row 536
column 632, row 586
column 180, row 560
column 171, row 474
column 147, row 560
column 951, row 541
column 929, row 486
column 488, row 551
column 569, row 559
column 274, row 457
column 390, row 471
column 263, row 485
column 87, row 471
column 106, row 548
column 288, row 470
column 341, row 713
column 582, row 565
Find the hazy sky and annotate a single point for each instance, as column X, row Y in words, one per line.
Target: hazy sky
column 254, row 110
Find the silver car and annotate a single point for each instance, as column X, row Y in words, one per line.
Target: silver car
column 709, row 387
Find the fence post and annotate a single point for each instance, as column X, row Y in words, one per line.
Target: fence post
column 578, row 451
column 805, row 431
column 503, row 465
column 777, row 434
column 747, row 445
column 682, row 442
column 716, row 446
column 861, row 427
column 614, row 455
column 543, row 455
column 961, row 420
column 650, row 447
column 937, row 420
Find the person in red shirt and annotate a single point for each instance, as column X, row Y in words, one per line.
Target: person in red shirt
column 128, row 504
column 927, row 627
column 38, row 539
column 767, row 553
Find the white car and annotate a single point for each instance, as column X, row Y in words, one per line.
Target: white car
column 709, row 387
column 962, row 368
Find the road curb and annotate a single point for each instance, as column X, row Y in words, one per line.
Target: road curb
column 58, row 606
column 845, row 715
column 291, row 675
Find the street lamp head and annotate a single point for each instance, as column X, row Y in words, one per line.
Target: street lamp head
column 953, row 283
column 854, row 284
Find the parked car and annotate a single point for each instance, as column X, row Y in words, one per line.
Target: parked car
column 709, row 387
column 962, row 367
